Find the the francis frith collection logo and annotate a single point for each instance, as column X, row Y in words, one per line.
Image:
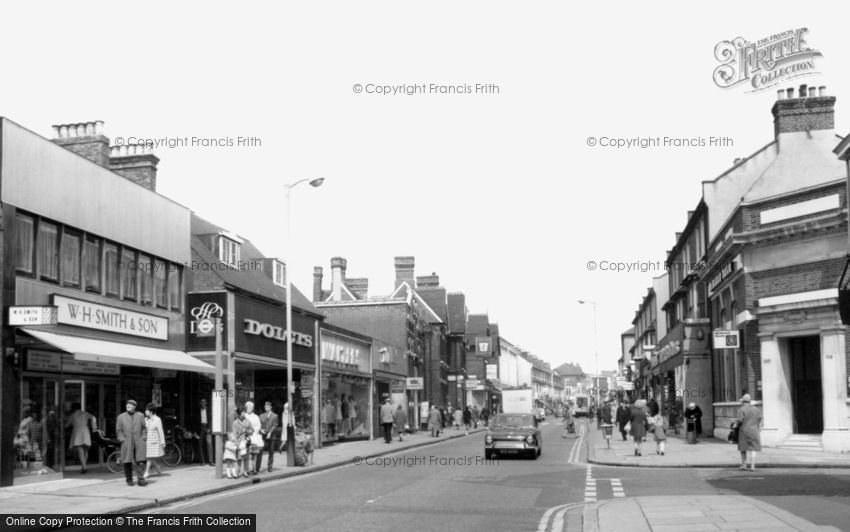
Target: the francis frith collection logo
column 766, row 62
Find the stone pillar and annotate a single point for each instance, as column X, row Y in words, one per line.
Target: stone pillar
column 777, row 409
column 836, row 429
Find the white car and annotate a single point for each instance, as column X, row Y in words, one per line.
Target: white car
column 541, row 414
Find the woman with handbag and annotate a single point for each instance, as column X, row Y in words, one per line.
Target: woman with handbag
column 638, row 423
column 749, row 439
column 400, row 422
column 241, row 431
column 660, row 433
column 155, row 444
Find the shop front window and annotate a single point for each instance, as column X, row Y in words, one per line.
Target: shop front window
column 129, row 269
column 145, row 280
column 37, row 439
column 48, row 251
column 91, row 264
column 111, row 272
column 160, row 283
column 71, row 259
column 24, row 239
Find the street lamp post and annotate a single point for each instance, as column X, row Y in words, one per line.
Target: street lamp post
column 290, row 416
column 595, row 338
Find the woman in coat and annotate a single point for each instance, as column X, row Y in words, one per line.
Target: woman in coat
column 399, row 421
column 637, row 419
column 749, row 439
column 81, row 424
column 457, row 416
column 467, row 417
column 241, row 431
column 155, row 446
column 435, row 421
column 255, row 442
column 657, row 423
column 132, row 432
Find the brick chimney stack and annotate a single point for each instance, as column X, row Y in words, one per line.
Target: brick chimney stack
column 338, row 265
column 86, row 139
column 136, row 162
column 359, row 287
column 807, row 112
column 404, row 271
column 428, row 281
column 317, row 283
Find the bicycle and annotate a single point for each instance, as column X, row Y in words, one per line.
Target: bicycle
column 179, row 447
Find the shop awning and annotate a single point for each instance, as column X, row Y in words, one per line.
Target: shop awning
column 90, row 350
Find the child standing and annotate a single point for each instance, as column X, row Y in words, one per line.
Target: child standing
column 230, row 449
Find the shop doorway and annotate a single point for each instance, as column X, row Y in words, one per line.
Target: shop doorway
column 98, row 398
column 806, row 390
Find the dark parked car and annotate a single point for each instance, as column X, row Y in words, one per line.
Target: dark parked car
column 513, row 434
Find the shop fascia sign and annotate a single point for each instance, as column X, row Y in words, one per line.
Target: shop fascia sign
column 725, row 272
column 727, row 339
column 669, row 350
column 107, row 318
column 276, row 332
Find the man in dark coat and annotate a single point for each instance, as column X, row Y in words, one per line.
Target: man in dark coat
column 623, row 417
column 652, row 406
column 271, row 432
column 693, row 412
column 132, row 433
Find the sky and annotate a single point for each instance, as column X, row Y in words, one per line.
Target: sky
column 497, row 192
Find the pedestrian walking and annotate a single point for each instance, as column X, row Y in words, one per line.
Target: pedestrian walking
column 623, row 417
column 387, row 420
column 694, row 414
column 435, row 421
column 467, row 417
column 255, row 440
column 400, row 422
column 458, row 418
column 652, row 407
column 637, row 422
column 485, row 416
column 81, row 424
column 657, row 425
column 749, row 439
column 444, row 418
column 270, row 432
column 475, row 416
column 569, row 422
column 155, row 445
column 131, row 432
column 606, row 413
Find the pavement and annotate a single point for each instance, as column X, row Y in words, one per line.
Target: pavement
column 708, row 452
column 692, row 513
column 109, row 494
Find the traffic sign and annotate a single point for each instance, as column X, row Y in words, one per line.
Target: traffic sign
column 206, row 327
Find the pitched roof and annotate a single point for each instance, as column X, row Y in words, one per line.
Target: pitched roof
column 436, row 299
column 477, row 324
column 570, row 369
column 457, row 313
column 251, row 280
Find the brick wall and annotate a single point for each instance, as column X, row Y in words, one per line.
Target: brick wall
column 751, row 216
column 801, row 278
column 387, row 323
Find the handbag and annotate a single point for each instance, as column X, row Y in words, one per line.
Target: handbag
column 734, row 432
column 628, row 427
